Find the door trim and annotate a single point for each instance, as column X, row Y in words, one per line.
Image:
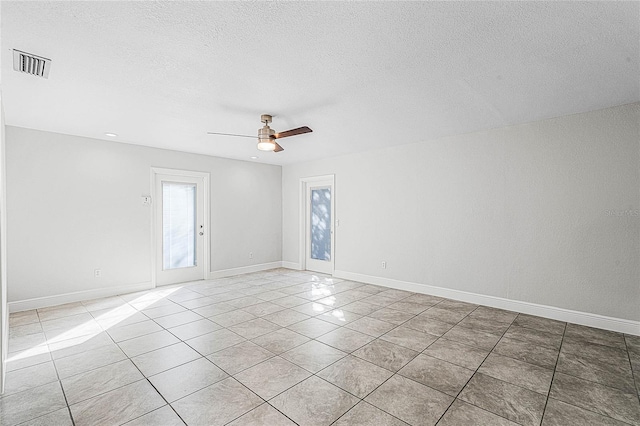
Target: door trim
column 206, row 178
column 302, row 218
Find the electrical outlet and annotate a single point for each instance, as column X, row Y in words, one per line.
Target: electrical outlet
column 97, row 273
column 250, row 255
column 384, row 265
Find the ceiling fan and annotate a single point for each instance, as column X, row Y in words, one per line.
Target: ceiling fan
column 267, row 136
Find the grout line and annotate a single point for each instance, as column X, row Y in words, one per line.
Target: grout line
column 553, row 376
column 227, row 285
column 66, row 401
column 636, row 382
column 478, row 368
column 395, row 373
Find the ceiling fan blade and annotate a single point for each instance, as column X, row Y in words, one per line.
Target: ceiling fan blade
column 278, row 148
column 231, row 134
column 292, row 132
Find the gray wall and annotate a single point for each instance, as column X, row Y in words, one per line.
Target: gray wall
column 545, row 212
column 74, row 206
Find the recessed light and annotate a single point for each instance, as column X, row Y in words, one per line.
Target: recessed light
column 253, row 157
column 111, row 135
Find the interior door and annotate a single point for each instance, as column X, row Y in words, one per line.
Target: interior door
column 180, row 228
column 319, row 226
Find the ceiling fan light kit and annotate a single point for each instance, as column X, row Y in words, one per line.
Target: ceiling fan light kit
column 267, row 136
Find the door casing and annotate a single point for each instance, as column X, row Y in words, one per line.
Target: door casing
column 304, row 216
column 156, row 219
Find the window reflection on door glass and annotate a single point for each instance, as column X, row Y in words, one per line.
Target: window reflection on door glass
column 321, row 224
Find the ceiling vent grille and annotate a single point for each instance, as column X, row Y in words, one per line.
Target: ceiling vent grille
column 31, row 64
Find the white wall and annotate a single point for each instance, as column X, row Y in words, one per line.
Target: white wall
column 4, row 312
column 545, row 212
column 74, row 206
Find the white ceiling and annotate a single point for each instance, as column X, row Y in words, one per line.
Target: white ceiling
column 362, row 75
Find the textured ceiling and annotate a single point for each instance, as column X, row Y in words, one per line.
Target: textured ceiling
column 362, row 75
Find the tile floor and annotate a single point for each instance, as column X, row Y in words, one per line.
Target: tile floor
column 284, row 347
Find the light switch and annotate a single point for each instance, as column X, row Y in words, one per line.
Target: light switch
column 146, row 200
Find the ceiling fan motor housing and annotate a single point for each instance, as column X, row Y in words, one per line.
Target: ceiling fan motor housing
column 266, row 133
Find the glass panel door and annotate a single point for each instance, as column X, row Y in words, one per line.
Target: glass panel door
column 180, row 231
column 318, row 219
column 178, row 225
column 320, row 224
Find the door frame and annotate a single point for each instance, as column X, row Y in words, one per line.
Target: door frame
column 206, row 244
column 302, row 218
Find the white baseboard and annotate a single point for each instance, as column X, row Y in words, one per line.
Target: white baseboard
column 291, row 265
column 561, row 314
column 77, row 296
column 222, row 273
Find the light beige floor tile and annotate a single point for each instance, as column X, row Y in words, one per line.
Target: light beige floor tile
column 371, row 326
column 156, row 311
column 391, row 315
column 22, row 318
column 262, row 309
column 559, row 413
column 27, row 342
column 356, row 376
column 239, row 357
column 515, row 403
column 162, row 359
column 229, row 319
column 345, row 339
column 386, row 355
column 18, row 360
column 180, row 318
column 410, row 401
column 131, row 331
column 89, row 360
column 461, row 413
column 78, row 345
column 117, row 406
column 214, row 341
column 32, row 403
column 263, row 415
column 29, row 377
column 313, row 356
column 23, row 330
column 532, row 377
column 164, row 416
column 254, row 328
column 339, row 317
column 437, row 374
column 271, row 377
column 311, row 308
column 60, row 417
column 217, row 404
column 312, row 327
column 147, row 343
column 59, row 311
column 187, row 378
column 365, row 414
column 194, row 329
column 409, row 338
column 101, row 380
column 286, row 317
column 314, row 402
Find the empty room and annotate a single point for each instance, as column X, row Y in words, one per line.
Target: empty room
column 320, row 213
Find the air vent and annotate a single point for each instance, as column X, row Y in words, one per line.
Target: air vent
column 31, row 64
